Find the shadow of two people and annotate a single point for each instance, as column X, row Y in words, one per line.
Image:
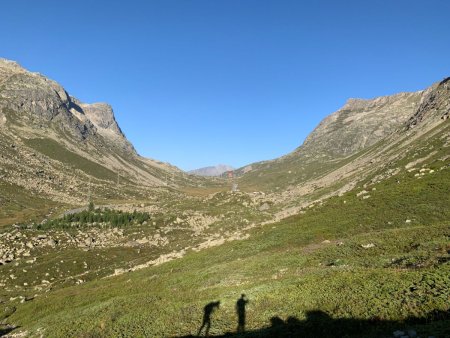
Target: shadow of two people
column 210, row 307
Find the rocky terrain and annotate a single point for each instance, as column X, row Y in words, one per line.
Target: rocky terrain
column 360, row 124
column 37, row 102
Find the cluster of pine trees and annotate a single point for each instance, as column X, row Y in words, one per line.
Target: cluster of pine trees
column 114, row 218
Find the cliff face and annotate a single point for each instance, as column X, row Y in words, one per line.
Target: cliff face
column 435, row 104
column 38, row 102
column 101, row 116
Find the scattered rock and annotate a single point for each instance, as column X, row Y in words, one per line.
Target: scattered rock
column 264, row 207
column 51, row 242
column 363, row 192
column 89, row 241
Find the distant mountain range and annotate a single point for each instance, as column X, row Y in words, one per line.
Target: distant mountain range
column 212, row 170
column 56, row 148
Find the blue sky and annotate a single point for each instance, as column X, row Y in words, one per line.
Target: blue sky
column 197, row 83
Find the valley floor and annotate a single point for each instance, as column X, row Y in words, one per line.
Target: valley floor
column 351, row 267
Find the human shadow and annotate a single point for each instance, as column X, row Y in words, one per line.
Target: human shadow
column 207, row 312
column 320, row 324
column 240, row 311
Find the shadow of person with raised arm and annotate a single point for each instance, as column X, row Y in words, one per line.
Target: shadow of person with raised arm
column 207, row 312
column 240, row 310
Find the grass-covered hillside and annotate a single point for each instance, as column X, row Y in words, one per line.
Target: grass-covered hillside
column 354, row 266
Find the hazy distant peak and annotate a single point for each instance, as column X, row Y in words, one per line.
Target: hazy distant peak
column 216, row 170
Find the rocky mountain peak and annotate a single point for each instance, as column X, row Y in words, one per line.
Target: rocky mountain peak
column 361, row 123
column 32, row 99
column 44, row 103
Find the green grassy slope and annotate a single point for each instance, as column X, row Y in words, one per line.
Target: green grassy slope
column 19, row 205
column 57, row 151
column 286, row 269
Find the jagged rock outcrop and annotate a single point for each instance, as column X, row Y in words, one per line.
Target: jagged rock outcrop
column 32, row 99
column 35, row 101
column 101, row 115
column 435, row 103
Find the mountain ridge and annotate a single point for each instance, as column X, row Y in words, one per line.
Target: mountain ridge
column 358, row 125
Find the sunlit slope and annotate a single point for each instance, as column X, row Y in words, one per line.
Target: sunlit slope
column 342, row 136
column 378, row 259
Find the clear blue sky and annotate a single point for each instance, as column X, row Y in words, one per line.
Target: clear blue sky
column 197, row 83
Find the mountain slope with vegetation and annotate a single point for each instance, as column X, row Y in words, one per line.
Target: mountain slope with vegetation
column 357, row 126
column 364, row 266
column 346, row 236
column 57, row 149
